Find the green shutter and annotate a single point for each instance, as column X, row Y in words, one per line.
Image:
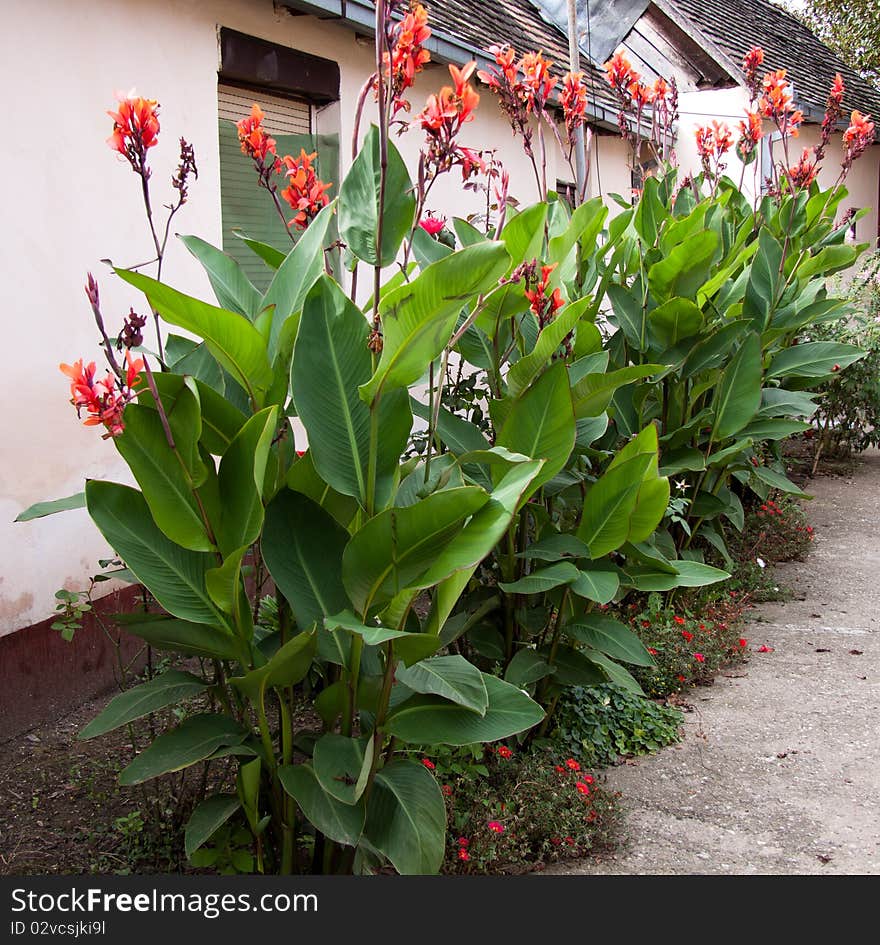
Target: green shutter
column 246, row 207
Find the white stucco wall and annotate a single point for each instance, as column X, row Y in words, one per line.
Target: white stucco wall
column 73, row 202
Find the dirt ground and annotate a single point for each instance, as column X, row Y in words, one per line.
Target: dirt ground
column 779, row 769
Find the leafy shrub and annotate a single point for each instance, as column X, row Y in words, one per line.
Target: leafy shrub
column 526, row 810
column 686, row 648
column 599, row 724
column 775, row 530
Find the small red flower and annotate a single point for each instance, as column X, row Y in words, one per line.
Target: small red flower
column 560, row 769
column 763, row 648
column 589, row 778
column 495, row 827
column 464, row 856
column 742, row 642
column 679, row 620
column 572, row 765
column 432, row 225
column 652, row 651
column 646, row 623
column 556, row 841
column 428, row 764
column 570, row 841
column 463, row 842
column 503, row 752
column 699, row 657
column 583, row 788
column 447, row 790
column 687, row 635
column 680, row 678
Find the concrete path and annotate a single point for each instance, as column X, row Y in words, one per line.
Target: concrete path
column 779, row 769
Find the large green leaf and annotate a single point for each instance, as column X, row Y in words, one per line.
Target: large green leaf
column 234, row 291
column 302, row 546
column 711, row 352
column 540, row 424
column 180, row 636
column 169, row 688
column 409, row 647
column 763, row 285
column 42, row 509
column 406, row 820
column 168, row 486
column 207, row 819
column 526, row 667
column 542, row 580
column 193, row 740
column 231, row 338
column 611, row 637
column 173, row 575
column 571, row 667
column 697, row 574
column 359, row 203
column 451, row 677
column 597, row 585
column 395, row 547
column 342, row 823
column 331, row 360
column 297, row 274
column 592, row 394
column 287, row 667
column 776, row 480
column 523, row 235
column 418, row 318
column 813, row 359
column 242, row 471
column 738, row 394
column 342, row 765
column 432, row 720
column 672, row 321
column 685, row 268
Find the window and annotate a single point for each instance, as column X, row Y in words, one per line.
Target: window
column 279, row 80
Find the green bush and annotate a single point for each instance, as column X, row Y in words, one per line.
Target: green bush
column 599, row 724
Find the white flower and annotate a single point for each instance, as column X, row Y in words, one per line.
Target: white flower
column 761, row 563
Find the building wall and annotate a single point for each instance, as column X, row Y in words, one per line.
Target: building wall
column 74, row 203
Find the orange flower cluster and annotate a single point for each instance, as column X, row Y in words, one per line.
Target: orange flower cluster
column 543, row 306
column 519, row 96
column 255, row 143
column 802, row 174
column 304, row 192
column 103, row 401
column 442, row 119
column 538, row 82
column 753, row 60
column 135, row 129
column 857, row 138
column 408, row 54
column 750, row 133
column 620, row 73
column 574, row 101
column 713, row 142
column 776, row 103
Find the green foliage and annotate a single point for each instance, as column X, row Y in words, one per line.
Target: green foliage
column 601, row 724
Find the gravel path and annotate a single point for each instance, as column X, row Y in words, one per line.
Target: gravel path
column 779, row 769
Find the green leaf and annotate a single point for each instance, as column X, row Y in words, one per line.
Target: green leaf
column 592, row 394
column 571, row 667
column 813, row 359
column 395, row 547
column 599, row 586
column 193, row 740
column 173, row 575
column 207, row 819
column 738, row 394
column 288, row 666
column 359, row 203
column 541, row 425
column 231, row 338
column 296, row 275
column 614, row 672
column 673, row 321
column 523, row 235
column 42, row 509
column 685, row 268
column 544, row 579
column 526, row 667
column 556, row 547
column 342, row 823
column 611, row 637
column 551, row 337
column 331, row 359
column 776, row 480
column 271, row 257
column 409, row 647
column 418, row 318
column 240, row 481
column 302, row 546
column 697, row 574
column 169, row 688
column 431, row 720
column 776, row 402
column 168, row 487
column 342, row 765
column 711, row 352
column 406, row 820
column 232, row 287
column 179, row 636
column 451, row 677
column 763, row 285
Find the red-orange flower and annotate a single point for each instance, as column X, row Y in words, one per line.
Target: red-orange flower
column 255, row 143
column 102, row 400
column 537, row 80
column 750, row 133
column 641, row 94
column 408, row 54
column 619, row 72
column 776, row 103
column 442, row 118
column 713, row 142
column 135, row 128
column 305, row 192
column 860, row 126
column 573, row 99
column 802, row 174
column 542, row 306
column 582, row 788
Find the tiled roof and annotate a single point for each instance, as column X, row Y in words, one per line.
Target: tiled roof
column 735, row 26
column 518, row 22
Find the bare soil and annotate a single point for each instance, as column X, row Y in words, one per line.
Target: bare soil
column 779, row 769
